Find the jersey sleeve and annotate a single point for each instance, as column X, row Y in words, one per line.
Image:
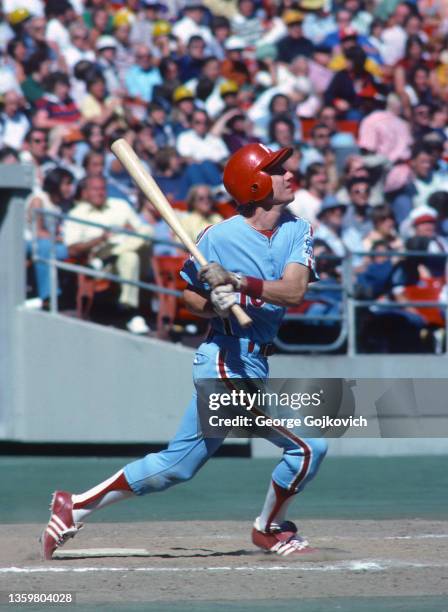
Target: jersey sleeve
column 302, row 250
column 191, row 267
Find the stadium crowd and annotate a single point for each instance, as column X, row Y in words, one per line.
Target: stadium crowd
column 358, row 88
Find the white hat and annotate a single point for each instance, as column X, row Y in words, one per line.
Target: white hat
column 234, row 43
column 423, row 214
column 106, row 42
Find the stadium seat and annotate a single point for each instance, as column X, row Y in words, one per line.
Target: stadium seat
column 171, row 308
column 226, row 209
column 428, row 290
column 87, row 287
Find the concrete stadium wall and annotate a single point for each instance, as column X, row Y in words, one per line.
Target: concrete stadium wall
column 79, row 381
column 83, row 382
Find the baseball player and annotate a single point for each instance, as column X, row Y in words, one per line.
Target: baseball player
column 261, row 258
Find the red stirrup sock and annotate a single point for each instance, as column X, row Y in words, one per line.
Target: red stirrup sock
column 110, row 491
column 275, row 506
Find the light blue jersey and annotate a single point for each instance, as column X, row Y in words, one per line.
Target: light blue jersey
column 238, row 247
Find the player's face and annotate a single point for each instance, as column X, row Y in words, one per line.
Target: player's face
column 282, row 191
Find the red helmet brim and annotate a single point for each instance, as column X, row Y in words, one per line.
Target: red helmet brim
column 278, row 157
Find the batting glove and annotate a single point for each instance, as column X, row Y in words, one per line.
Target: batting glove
column 222, row 299
column 214, row 274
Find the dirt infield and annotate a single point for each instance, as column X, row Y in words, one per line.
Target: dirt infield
column 215, row 561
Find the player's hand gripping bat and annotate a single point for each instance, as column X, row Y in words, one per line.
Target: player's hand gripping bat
column 127, row 156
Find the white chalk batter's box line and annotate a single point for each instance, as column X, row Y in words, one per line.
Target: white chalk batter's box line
column 343, row 566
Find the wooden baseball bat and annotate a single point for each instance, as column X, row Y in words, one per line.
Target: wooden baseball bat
column 127, row 156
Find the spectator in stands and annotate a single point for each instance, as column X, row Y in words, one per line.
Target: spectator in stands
column 384, row 230
column 386, row 133
column 94, row 165
column 247, row 23
column 79, row 48
column 420, row 120
column 307, row 200
column 281, row 133
column 201, row 211
column 221, row 30
column 56, row 196
column 190, row 64
column 394, row 35
column 207, row 86
column 67, row 153
column 234, row 66
column 330, row 217
column 56, row 108
column 170, row 174
column 97, row 106
column 125, row 56
column 162, row 231
column 142, row 26
column 101, row 24
column 319, row 72
column 373, row 282
column 163, row 93
column 36, row 152
column 141, row 78
column 191, row 24
column 14, row 123
column 93, row 140
column 341, row 91
column 106, row 49
column 162, row 129
column 424, row 181
column 17, row 53
column 318, row 150
column 294, row 43
column 35, row 38
column 9, row 156
column 357, row 219
column 59, row 14
column 271, row 104
column 197, row 144
column 104, row 248
column 37, row 69
column 236, row 130
column 371, row 167
column 418, row 89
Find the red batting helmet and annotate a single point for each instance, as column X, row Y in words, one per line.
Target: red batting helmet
column 244, row 175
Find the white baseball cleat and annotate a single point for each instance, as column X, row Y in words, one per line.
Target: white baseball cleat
column 281, row 539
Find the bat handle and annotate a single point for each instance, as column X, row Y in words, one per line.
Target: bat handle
column 241, row 316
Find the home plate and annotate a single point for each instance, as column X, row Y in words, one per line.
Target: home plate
column 87, row 553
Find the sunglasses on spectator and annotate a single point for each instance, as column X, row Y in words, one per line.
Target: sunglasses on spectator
column 81, row 36
column 39, row 140
column 200, row 121
column 360, row 191
column 203, row 197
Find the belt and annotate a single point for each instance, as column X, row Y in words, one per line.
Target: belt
column 266, row 350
